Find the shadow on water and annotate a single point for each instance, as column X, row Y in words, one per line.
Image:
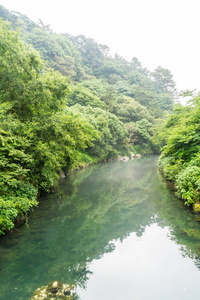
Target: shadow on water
column 80, row 220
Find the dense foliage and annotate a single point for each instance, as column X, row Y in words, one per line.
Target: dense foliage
column 64, row 103
column 180, row 159
column 37, row 136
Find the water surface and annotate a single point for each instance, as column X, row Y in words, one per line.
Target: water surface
column 115, row 231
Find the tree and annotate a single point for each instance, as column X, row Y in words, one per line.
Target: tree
column 136, row 64
column 45, row 27
column 180, row 157
column 131, row 111
column 112, row 133
column 45, row 43
column 37, row 136
column 84, row 96
column 163, row 80
column 65, row 65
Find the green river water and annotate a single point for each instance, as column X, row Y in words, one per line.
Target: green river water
column 114, row 230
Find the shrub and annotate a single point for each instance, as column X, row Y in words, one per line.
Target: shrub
column 188, row 184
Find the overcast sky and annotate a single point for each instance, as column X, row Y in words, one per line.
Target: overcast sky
column 158, row 32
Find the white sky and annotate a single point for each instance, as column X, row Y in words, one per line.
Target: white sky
column 157, row 32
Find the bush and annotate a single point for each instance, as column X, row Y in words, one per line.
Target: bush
column 169, row 166
column 188, row 184
column 19, row 201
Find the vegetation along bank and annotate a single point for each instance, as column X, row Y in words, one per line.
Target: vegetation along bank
column 65, row 102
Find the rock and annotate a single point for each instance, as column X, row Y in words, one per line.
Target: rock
column 120, row 158
column 62, row 175
column 138, row 155
column 54, row 287
column 20, row 221
column 123, row 159
column 132, row 155
column 54, row 290
column 196, row 208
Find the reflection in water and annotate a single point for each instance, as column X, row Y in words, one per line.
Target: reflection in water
column 88, row 217
column 148, row 267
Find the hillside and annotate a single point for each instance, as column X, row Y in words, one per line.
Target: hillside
column 65, row 102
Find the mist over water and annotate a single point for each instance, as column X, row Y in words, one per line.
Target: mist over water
column 114, row 230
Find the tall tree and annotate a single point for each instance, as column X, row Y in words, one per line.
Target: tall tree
column 163, row 80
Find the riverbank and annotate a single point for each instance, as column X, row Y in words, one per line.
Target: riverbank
column 19, row 219
column 195, row 207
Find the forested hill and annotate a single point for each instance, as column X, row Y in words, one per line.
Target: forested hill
column 66, row 102
column 115, row 81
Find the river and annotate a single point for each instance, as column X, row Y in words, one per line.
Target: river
column 115, row 230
